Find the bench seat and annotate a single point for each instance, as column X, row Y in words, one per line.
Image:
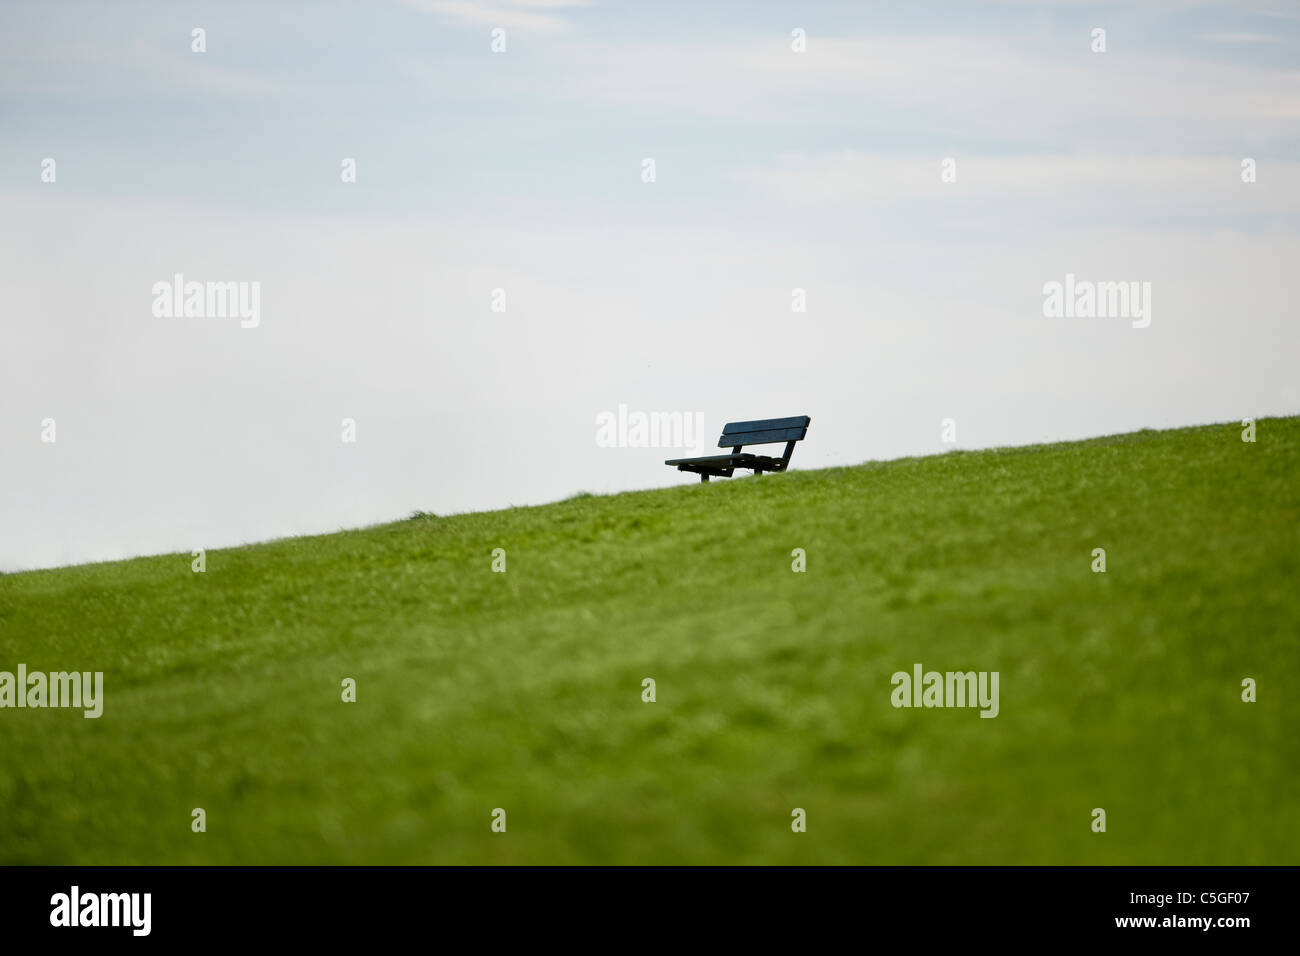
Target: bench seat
column 742, row 460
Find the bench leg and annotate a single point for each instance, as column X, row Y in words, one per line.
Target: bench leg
column 704, row 477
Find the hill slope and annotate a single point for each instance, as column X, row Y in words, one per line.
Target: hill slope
column 478, row 690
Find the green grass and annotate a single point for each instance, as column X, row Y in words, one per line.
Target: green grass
column 523, row 690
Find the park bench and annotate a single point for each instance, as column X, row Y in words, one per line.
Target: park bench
column 737, row 435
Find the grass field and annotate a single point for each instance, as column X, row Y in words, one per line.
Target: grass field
column 478, row 690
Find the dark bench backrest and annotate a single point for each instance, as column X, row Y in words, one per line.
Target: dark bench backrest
column 764, row 432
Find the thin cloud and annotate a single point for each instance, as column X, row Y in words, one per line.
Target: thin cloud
column 509, row 14
column 1242, row 38
column 1155, row 184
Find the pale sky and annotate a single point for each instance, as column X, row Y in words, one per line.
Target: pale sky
column 522, row 171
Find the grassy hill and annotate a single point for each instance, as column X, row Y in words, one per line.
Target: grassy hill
column 478, row 690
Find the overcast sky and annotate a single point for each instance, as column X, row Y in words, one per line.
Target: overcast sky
column 522, row 171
